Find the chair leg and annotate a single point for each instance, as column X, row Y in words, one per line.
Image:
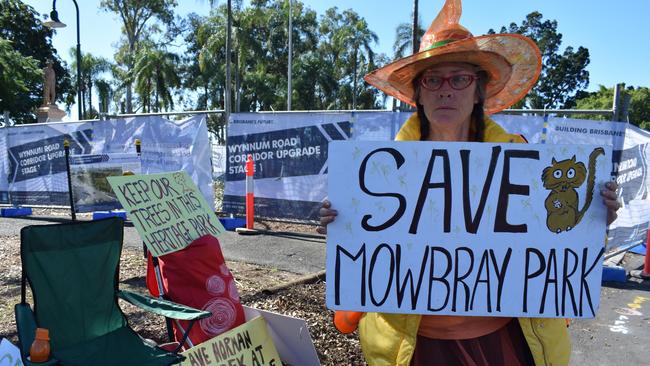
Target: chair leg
column 170, row 329
column 185, row 337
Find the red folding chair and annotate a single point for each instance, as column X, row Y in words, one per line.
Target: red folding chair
column 197, row 276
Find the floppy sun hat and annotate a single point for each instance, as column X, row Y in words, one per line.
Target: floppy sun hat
column 512, row 61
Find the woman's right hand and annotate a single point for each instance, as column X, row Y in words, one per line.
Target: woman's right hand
column 327, row 216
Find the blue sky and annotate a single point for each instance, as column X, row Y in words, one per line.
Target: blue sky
column 615, row 32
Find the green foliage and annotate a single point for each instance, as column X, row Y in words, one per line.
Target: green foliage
column 138, row 23
column 92, row 69
column 639, row 107
column 330, row 57
column 18, row 76
column 563, row 73
column 26, row 46
column 403, row 45
column 156, row 75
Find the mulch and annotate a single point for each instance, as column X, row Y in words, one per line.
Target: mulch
column 305, row 301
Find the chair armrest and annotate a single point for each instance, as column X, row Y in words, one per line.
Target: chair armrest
column 50, row 362
column 163, row 307
column 26, row 324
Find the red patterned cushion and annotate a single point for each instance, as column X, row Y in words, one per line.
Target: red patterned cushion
column 197, row 276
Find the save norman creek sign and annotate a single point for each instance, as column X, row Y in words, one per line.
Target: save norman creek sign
column 466, row 228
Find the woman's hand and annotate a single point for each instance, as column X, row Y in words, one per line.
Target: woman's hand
column 610, row 199
column 327, row 215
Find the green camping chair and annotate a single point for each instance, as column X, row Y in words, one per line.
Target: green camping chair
column 73, row 272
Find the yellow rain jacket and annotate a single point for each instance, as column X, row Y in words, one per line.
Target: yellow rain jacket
column 389, row 339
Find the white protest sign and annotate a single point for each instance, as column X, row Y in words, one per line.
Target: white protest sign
column 466, row 228
column 9, row 354
column 248, row 344
column 290, row 336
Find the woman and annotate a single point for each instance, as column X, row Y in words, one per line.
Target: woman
column 455, row 81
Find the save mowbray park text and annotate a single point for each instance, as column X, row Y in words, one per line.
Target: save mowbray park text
column 466, row 228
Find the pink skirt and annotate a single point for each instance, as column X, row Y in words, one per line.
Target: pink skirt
column 506, row 346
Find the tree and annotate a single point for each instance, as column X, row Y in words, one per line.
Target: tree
column 156, row 75
column 104, row 94
column 135, row 14
column 92, row 68
column 25, row 41
column 323, row 58
column 563, row 73
column 19, row 75
column 356, row 37
column 639, row 108
column 403, row 45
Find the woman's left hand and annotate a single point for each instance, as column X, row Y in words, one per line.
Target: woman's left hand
column 610, row 199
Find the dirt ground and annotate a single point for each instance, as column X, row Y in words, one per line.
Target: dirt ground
column 304, row 301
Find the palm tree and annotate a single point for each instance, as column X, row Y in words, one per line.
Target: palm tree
column 355, row 36
column 91, row 69
column 104, row 94
column 404, row 40
column 156, row 72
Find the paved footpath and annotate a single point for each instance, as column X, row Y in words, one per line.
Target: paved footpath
column 289, row 253
column 619, row 335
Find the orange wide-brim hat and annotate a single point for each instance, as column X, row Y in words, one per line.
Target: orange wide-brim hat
column 513, row 62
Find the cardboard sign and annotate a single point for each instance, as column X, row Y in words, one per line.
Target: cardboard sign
column 466, row 228
column 9, row 354
column 167, row 210
column 249, row 344
column 290, row 335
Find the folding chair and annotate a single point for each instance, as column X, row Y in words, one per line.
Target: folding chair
column 73, row 273
column 197, row 276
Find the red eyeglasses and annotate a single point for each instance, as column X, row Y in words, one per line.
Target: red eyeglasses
column 456, row 82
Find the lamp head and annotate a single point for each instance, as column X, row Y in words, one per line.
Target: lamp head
column 54, row 21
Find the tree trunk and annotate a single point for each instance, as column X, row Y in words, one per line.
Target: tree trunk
column 237, row 82
column 90, row 96
column 414, row 34
column 129, row 69
column 156, row 106
column 206, row 95
column 147, row 98
column 228, row 95
column 354, row 85
column 83, row 102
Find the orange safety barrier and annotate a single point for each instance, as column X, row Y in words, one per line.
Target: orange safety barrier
column 250, row 196
column 646, row 266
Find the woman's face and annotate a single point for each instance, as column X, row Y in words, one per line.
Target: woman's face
column 448, row 106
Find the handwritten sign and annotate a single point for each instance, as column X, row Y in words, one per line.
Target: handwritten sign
column 466, row 228
column 9, row 354
column 167, row 210
column 249, row 344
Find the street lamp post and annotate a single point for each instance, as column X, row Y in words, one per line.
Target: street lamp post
column 289, row 89
column 54, row 22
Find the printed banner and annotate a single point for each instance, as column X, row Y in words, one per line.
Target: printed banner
column 167, row 210
column 34, row 158
column 90, row 189
column 532, row 128
column 36, row 161
column 466, row 228
column 631, row 168
column 248, row 344
column 290, row 155
column 4, row 169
